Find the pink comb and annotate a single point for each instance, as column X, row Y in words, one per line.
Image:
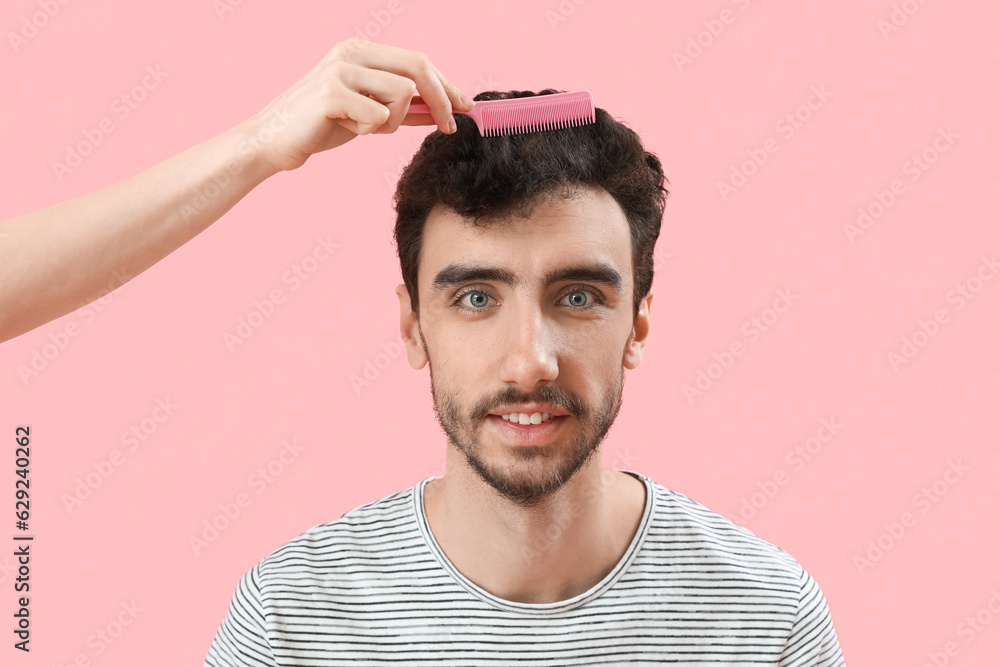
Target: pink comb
column 528, row 114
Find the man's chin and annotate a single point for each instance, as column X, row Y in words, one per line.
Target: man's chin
column 534, row 476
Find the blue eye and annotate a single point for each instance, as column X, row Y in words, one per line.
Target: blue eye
column 582, row 306
column 478, row 301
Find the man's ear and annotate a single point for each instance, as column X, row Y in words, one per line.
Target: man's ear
column 409, row 329
column 640, row 334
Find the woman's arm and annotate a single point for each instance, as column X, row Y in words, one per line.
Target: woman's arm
column 57, row 260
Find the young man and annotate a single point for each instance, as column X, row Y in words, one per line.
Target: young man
column 527, row 267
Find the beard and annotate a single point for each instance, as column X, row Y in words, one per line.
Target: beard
column 532, row 473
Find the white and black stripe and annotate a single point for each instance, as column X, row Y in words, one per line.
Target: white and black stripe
column 374, row 588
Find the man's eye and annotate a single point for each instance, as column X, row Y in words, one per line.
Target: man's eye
column 473, row 300
column 582, row 299
column 579, row 298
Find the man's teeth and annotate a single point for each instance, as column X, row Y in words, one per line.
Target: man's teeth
column 521, row 418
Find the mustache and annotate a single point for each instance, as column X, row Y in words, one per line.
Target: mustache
column 568, row 401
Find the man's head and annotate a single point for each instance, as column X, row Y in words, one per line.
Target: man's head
column 527, row 267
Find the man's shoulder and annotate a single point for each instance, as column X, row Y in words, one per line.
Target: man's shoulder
column 366, row 529
column 681, row 525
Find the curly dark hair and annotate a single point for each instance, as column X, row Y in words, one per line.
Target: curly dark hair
column 496, row 179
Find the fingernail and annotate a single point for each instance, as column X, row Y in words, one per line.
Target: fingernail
column 452, row 128
column 467, row 101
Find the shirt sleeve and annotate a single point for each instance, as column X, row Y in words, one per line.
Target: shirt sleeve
column 813, row 641
column 241, row 640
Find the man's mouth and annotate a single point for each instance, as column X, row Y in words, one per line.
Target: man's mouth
column 537, row 429
column 525, row 419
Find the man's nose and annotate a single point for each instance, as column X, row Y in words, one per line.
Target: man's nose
column 529, row 349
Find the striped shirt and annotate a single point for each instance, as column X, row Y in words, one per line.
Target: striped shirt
column 374, row 588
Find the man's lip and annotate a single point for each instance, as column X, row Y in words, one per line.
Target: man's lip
column 529, row 434
column 550, row 419
column 554, row 410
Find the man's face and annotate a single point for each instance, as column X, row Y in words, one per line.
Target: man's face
column 529, row 317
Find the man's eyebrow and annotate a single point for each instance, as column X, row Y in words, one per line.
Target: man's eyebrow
column 600, row 273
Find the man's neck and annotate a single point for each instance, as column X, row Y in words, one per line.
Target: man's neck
column 546, row 553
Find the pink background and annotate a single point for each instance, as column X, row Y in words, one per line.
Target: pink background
column 900, row 594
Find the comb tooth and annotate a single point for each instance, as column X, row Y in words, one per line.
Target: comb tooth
column 553, row 114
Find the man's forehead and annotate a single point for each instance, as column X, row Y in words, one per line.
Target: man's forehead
column 588, row 229
column 580, row 202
